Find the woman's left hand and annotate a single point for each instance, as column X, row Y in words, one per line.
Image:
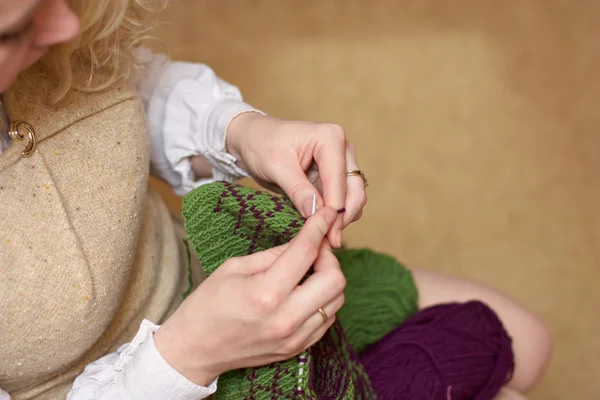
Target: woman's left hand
column 301, row 158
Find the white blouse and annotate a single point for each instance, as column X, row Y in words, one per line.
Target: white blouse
column 188, row 110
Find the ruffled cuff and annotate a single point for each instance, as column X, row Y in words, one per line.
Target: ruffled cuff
column 146, row 375
column 195, row 126
column 189, row 109
column 136, row 371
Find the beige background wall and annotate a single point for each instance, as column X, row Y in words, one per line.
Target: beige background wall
column 477, row 122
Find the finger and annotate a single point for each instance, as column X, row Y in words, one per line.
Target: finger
column 330, row 157
column 335, row 235
column 269, row 186
column 295, row 183
column 326, row 259
column 294, row 263
column 356, row 196
column 321, row 287
column 309, row 330
column 313, row 177
column 315, row 326
column 319, row 333
column 358, row 216
column 259, row 261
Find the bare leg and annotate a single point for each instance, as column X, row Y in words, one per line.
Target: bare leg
column 509, row 394
column 531, row 339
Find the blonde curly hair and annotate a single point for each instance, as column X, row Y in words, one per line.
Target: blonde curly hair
column 110, row 31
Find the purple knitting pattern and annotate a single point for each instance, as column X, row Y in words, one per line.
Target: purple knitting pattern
column 273, row 388
column 259, row 230
column 333, row 350
column 248, row 221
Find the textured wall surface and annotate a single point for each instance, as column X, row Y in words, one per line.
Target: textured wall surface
column 478, row 125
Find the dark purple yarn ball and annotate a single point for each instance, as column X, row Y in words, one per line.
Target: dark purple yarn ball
column 446, row 352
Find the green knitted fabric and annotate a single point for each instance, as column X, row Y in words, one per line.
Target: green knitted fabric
column 224, row 220
column 380, row 294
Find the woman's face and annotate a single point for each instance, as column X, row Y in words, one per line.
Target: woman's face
column 27, row 29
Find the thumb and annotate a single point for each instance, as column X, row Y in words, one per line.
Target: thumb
column 260, row 261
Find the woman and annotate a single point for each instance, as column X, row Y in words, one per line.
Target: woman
column 91, row 260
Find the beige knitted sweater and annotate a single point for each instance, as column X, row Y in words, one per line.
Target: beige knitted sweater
column 87, row 249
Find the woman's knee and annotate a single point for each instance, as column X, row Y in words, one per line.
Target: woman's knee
column 531, row 339
column 532, row 345
column 509, row 394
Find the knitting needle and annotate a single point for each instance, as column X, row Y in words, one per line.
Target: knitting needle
column 314, row 204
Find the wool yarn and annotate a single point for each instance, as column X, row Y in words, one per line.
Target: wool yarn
column 445, row 352
column 380, row 294
column 224, row 220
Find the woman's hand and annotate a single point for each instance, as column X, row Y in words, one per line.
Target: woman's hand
column 284, row 153
column 251, row 310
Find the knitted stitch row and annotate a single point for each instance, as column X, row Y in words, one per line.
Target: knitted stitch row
column 225, row 220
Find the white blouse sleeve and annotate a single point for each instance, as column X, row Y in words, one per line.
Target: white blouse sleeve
column 136, row 371
column 189, row 109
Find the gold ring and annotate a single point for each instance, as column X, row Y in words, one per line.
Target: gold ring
column 323, row 314
column 358, row 172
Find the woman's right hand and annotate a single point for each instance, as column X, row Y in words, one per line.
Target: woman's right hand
column 252, row 311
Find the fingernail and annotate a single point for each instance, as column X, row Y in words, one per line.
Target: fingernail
column 307, row 208
column 339, row 239
column 341, row 211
